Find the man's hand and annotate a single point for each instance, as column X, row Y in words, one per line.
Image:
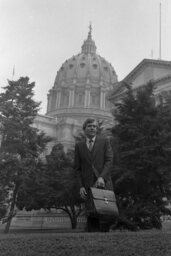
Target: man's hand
column 100, row 182
column 83, row 193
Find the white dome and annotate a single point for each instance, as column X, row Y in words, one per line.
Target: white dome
column 81, row 85
column 86, row 65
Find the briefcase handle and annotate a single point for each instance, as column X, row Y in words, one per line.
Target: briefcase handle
column 101, row 187
column 97, row 175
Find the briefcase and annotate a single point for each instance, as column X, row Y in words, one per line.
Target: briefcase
column 102, row 203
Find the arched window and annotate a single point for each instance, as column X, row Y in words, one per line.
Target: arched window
column 95, row 98
column 64, row 98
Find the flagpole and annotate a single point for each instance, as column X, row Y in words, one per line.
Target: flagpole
column 160, row 31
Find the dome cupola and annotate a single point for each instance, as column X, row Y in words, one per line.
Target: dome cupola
column 89, row 45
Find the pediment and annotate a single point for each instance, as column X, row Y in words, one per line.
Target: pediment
column 148, row 69
column 158, row 71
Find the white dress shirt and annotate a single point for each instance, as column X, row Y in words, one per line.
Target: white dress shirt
column 92, row 142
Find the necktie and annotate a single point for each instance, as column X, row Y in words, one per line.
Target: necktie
column 90, row 145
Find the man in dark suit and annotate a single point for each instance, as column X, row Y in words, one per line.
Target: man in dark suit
column 94, row 153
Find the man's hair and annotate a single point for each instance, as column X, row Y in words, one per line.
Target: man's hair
column 88, row 121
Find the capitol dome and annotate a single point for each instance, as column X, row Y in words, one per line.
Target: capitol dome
column 81, row 85
column 86, row 65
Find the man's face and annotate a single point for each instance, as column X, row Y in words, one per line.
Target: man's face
column 91, row 130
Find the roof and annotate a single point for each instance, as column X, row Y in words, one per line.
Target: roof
column 119, row 87
column 143, row 64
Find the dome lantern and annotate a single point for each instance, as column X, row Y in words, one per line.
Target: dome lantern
column 89, row 45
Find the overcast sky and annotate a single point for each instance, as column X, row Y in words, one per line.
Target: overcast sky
column 37, row 36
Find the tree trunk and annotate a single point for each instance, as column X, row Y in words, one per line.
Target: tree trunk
column 72, row 215
column 74, row 222
column 11, row 212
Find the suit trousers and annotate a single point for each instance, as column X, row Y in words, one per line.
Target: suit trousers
column 94, row 222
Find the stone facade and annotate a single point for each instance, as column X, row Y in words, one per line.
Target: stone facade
column 158, row 71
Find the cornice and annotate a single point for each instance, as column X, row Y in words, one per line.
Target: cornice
column 79, row 111
column 162, row 80
column 143, row 64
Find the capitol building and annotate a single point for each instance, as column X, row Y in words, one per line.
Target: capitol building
column 79, row 91
column 86, row 85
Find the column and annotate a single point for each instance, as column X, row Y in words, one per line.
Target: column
column 71, row 97
column 48, row 102
column 49, row 107
column 102, row 99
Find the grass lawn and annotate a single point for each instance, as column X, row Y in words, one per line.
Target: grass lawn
column 149, row 243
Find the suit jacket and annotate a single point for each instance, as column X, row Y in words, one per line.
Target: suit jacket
column 100, row 158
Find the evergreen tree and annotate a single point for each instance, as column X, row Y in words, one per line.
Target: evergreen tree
column 142, row 170
column 21, row 143
column 64, row 183
column 54, row 185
